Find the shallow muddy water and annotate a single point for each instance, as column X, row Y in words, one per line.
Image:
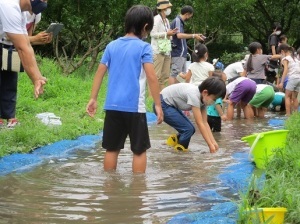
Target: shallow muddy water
column 77, row 190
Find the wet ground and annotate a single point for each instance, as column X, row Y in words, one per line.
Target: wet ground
column 77, row 190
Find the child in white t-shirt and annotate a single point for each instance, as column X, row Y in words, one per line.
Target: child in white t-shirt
column 200, row 69
column 291, row 68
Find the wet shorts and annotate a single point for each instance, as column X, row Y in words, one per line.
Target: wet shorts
column 264, row 98
column 118, row 125
column 244, row 91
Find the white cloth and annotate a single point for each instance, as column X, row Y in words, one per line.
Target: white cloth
column 200, row 71
column 260, row 87
column 182, row 96
column 12, row 20
column 233, row 70
column 158, row 32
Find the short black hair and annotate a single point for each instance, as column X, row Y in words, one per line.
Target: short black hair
column 214, row 85
column 136, row 18
column 187, row 9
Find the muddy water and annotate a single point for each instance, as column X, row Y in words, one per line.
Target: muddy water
column 76, row 190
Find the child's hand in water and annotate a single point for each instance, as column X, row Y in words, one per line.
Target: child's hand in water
column 213, row 147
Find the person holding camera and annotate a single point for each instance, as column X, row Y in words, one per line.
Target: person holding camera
column 179, row 45
column 161, row 36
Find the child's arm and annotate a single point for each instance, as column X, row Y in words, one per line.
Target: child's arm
column 221, row 112
column 203, row 126
column 91, row 107
column 244, row 73
column 155, row 91
column 186, row 76
column 284, row 73
column 275, row 57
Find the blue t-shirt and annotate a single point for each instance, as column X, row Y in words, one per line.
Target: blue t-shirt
column 124, row 59
column 181, row 46
column 211, row 109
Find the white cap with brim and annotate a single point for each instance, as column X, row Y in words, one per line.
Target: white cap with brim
column 215, row 60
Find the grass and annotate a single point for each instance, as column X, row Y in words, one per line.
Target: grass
column 281, row 188
column 66, row 97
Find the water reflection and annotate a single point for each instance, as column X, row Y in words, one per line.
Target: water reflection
column 77, row 190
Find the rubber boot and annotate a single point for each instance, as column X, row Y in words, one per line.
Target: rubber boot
column 172, row 140
column 181, row 148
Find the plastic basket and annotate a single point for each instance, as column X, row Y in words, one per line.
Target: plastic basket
column 263, row 145
column 269, row 215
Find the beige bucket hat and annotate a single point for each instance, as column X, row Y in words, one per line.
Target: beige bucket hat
column 162, row 4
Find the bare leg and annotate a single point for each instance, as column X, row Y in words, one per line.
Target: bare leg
column 261, row 112
column 238, row 110
column 255, row 111
column 172, row 80
column 139, row 163
column 248, row 112
column 110, row 160
column 230, row 110
column 288, row 96
column 295, row 101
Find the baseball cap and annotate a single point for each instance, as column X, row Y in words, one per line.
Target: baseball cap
column 38, row 6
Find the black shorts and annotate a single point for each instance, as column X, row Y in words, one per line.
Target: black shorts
column 214, row 123
column 118, row 125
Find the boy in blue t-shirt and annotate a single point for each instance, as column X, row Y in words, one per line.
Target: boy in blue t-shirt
column 129, row 63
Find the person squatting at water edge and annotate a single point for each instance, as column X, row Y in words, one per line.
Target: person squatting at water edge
column 161, row 30
column 186, row 96
column 13, row 32
column 262, row 99
column 241, row 90
column 125, row 109
column 291, row 69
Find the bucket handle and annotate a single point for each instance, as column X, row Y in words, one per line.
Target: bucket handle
column 253, row 146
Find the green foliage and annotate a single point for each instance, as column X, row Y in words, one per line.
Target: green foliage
column 228, row 52
column 90, row 25
column 228, row 58
column 281, row 188
column 66, row 97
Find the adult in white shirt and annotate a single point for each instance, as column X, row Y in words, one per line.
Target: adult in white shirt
column 161, row 30
column 13, row 32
